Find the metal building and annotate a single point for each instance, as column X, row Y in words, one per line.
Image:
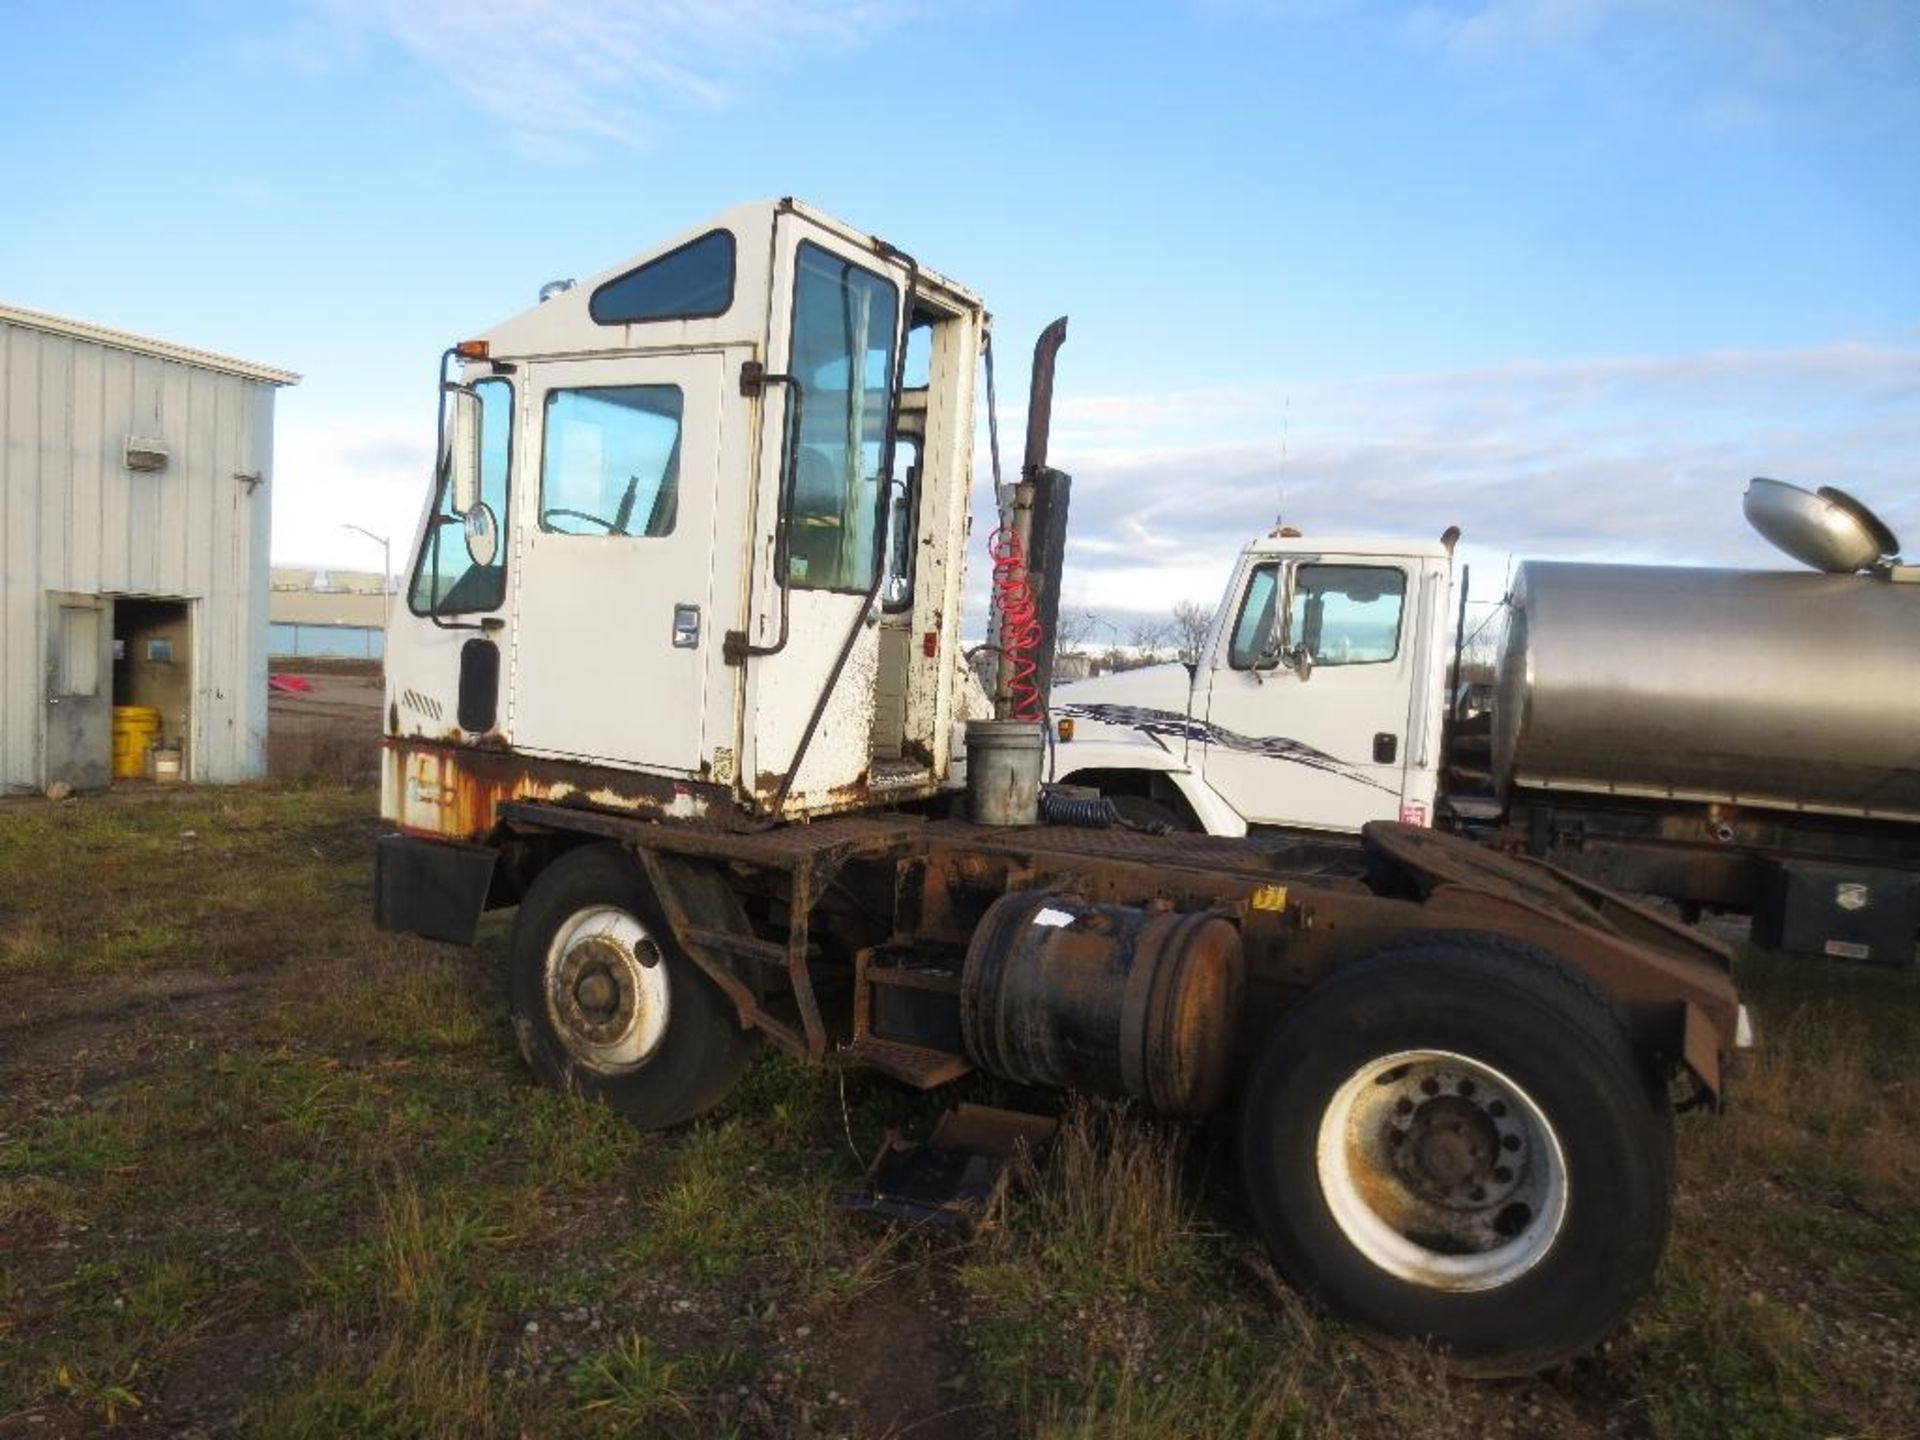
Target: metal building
column 328, row 614
column 134, row 522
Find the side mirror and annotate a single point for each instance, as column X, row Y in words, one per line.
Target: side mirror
column 1299, row 660
column 463, row 447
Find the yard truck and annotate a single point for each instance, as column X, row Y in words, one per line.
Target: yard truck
column 1729, row 740
column 676, row 675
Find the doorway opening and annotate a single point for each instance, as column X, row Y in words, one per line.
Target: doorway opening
column 152, row 688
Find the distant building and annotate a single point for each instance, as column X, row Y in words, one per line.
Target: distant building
column 135, row 493
column 334, row 613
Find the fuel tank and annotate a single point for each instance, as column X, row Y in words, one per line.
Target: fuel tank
column 1060, row 991
column 1785, row 690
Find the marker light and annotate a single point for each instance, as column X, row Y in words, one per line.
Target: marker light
column 471, row 349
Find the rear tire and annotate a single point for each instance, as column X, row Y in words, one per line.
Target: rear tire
column 1451, row 1140
column 604, row 1004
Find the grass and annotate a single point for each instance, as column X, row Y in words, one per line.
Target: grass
column 265, row 1170
column 631, row 1385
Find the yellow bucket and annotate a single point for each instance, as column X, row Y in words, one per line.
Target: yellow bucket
column 135, row 728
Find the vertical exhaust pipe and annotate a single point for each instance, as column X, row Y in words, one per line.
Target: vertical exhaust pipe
column 1052, row 490
column 1040, row 398
column 1005, row 756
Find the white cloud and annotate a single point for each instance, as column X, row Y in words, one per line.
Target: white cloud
column 607, row 69
column 1627, row 459
column 325, row 478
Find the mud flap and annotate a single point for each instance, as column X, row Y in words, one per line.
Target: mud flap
column 430, row 888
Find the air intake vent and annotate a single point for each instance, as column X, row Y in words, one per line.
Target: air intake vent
column 146, row 454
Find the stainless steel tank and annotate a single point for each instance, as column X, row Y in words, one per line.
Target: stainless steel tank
column 1787, row 690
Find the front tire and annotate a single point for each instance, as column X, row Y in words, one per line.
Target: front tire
column 604, row 1004
column 1452, row 1140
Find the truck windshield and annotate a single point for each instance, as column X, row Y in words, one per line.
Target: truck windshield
column 446, row 580
column 845, row 320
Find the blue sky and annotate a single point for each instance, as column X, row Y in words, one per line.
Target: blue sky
column 1565, row 272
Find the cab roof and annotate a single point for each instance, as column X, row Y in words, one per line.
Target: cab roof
column 1334, row 543
column 564, row 324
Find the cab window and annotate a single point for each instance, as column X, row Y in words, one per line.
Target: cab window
column 694, row 282
column 845, row 320
column 1253, row 630
column 610, row 460
column 903, row 503
column 1347, row 614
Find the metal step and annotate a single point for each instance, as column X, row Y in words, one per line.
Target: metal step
column 956, row 1178
column 910, row 1064
column 945, row 981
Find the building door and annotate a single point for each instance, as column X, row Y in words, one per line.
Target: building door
column 614, row 612
column 79, row 692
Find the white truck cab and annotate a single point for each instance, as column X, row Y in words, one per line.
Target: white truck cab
column 678, row 504
column 1316, row 702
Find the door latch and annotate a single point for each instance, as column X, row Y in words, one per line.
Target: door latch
column 686, row 627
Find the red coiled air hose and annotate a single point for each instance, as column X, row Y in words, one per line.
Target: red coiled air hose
column 1020, row 632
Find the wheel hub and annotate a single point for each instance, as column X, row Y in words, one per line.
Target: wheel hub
column 1442, row 1170
column 1450, row 1150
column 606, row 989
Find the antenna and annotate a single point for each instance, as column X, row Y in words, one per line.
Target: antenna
column 1286, row 426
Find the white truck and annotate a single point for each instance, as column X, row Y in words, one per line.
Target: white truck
column 1317, row 702
column 674, row 679
column 1731, row 739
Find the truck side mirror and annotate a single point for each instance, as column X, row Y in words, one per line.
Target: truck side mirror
column 1299, row 660
column 463, row 447
column 483, row 533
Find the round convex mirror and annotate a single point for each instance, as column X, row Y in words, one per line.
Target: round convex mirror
column 483, row 534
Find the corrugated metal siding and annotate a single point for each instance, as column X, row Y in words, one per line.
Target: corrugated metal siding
column 292, row 641
column 73, row 517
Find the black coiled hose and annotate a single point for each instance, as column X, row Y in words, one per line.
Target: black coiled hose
column 1087, row 812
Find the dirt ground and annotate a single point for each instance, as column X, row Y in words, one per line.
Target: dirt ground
column 331, row 730
column 266, row 1171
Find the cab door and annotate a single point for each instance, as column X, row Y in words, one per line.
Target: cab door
column 614, row 537
column 1307, row 704
column 812, row 643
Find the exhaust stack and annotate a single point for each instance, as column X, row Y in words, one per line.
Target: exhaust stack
column 1052, row 491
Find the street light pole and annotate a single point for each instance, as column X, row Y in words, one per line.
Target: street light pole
column 386, row 579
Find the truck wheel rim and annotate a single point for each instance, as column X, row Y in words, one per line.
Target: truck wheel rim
column 1442, row 1171
column 606, row 989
